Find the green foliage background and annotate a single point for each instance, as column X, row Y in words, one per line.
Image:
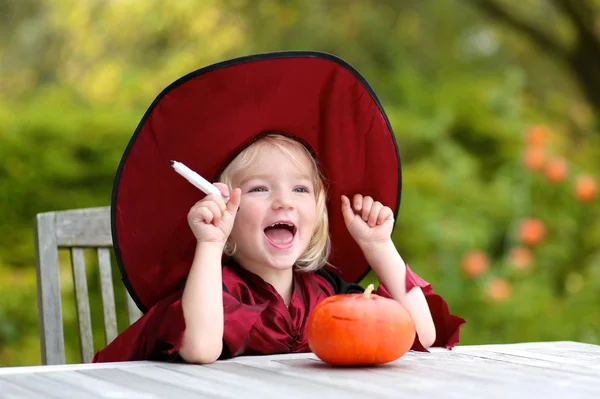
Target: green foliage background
column 460, row 92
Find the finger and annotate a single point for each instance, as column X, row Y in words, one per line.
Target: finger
column 193, row 212
column 366, row 207
column 234, row 202
column 223, row 188
column 347, row 211
column 197, row 204
column 214, row 209
column 205, row 215
column 374, row 214
column 357, row 201
column 219, row 201
column 210, row 198
column 385, row 215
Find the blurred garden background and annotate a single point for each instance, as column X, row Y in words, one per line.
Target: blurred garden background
column 495, row 105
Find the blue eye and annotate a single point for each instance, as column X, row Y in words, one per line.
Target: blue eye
column 258, row 190
column 301, row 190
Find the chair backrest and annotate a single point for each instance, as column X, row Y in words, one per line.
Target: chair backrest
column 75, row 230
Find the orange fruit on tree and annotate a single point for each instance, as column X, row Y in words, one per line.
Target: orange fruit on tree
column 534, row 158
column 521, row 258
column 532, row 231
column 586, row 189
column 556, row 170
column 536, row 135
column 498, row 289
column 360, row 329
column 475, row 263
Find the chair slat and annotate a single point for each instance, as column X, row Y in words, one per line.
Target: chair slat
column 52, row 339
column 133, row 313
column 74, row 229
column 83, row 228
column 83, row 305
column 108, row 295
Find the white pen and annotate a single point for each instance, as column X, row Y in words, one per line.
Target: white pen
column 196, row 179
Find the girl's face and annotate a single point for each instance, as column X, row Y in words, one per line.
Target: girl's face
column 275, row 221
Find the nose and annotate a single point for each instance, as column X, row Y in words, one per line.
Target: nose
column 283, row 202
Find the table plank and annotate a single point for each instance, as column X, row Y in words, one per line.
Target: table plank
column 414, row 374
column 524, row 370
column 572, row 352
column 10, row 390
column 359, row 380
column 553, row 346
column 477, row 375
column 47, row 388
column 103, row 389
column 540, row 360
column 202, row 382
column 70, row 367
column 249, row 386
column 123, row 378
column 283, row 384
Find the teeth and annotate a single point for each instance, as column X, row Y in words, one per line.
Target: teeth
column 282, row 224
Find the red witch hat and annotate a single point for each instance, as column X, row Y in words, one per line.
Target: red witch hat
column 206, row 117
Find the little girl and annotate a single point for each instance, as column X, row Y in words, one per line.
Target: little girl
column 261, row 258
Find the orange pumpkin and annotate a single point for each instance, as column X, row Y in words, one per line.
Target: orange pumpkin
column 360, row 329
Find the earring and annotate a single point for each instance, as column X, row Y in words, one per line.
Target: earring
column 230, row 247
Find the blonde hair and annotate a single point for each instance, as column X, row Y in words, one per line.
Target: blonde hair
column 317, row 252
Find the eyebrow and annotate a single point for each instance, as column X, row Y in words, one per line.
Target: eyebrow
column 266, row 177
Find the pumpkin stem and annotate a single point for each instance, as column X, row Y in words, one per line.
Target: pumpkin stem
column 368, row 291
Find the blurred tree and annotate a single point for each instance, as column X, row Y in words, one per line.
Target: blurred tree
column 579, row 50
column 461, row 95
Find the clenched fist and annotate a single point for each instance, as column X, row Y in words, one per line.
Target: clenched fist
column 367, row 220
column 210, row 219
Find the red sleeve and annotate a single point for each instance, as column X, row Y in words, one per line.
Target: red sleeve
column 158, row 334
column 155, row 336
column 447, row 325
column 238, row 321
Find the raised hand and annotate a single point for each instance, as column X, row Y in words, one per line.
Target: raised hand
column 368, row 221
column 210, row 219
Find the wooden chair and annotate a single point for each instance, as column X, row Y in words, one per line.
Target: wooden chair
column 75, row 230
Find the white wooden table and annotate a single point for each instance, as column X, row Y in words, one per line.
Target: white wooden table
column 528, row 370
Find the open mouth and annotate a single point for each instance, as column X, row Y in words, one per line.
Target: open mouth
column 281, row 234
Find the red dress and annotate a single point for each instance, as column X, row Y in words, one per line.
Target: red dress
column 256, row 320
